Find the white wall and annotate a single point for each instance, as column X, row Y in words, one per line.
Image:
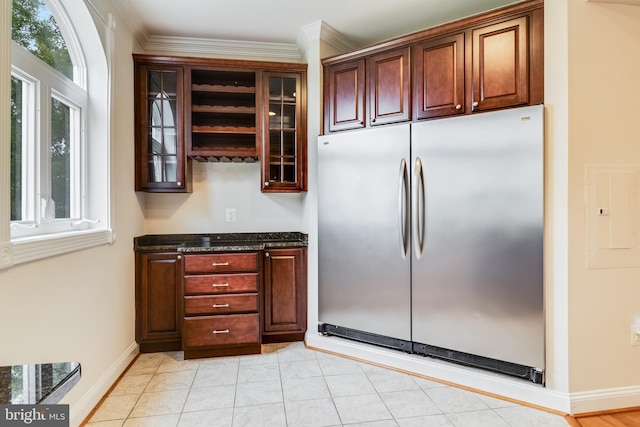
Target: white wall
column 591, row 93
column 603, row 94
column 216, row 187
column 80, row 306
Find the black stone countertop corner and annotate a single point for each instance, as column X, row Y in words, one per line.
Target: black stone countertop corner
column 37, row 383
column 219, row 242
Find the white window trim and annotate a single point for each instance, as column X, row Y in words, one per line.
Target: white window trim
column 31, row 248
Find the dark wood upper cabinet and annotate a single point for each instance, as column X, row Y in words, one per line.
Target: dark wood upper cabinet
column 484, row 62
column 284, row 151
column 439, row 76
column 389, row 87
column 344, row 85
column 501, row 65
column 218, row 110
column 161, row 163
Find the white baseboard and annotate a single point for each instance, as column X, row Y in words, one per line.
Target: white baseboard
column 79, row 411
column 484, row 381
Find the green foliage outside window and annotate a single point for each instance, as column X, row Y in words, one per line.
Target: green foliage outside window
column 34, row 28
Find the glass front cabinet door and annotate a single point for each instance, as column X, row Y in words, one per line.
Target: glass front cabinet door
column 284, row 155
column 161, row 165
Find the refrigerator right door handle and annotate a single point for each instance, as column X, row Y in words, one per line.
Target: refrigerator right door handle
column 403, row 209
column 418, row 205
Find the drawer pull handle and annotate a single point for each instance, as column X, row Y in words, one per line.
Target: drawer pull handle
column 220, row 305
column 224, row 331
column 217, row 285
column 219, row 264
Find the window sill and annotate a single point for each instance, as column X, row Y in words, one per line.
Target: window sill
column 27, row 249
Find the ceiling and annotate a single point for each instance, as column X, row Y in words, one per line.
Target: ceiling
column 363, row 22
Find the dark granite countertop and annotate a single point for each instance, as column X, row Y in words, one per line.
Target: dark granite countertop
column 37, row 383
column 219, row 242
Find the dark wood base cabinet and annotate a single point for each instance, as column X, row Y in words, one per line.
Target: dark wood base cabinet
column 158, row 301
column 220, row 304
column 285, row 295
column 221, row 309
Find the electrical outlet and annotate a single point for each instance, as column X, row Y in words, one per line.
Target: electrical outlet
column 231, row 215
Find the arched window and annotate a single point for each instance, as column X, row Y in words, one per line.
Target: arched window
column 59, row 151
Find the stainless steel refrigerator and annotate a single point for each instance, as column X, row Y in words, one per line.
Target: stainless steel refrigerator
column 430, row 238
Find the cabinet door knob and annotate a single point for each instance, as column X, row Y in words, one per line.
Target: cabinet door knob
column 458, row 107
column 266, row 254
column 266, row 183
column 475, row 104
column 179, row 256
column 373, row 120
column 179, row 182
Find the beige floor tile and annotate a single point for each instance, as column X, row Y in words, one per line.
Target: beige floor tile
column 214, row 418
column 311, row 413
column 485, row 418
column 249, row 394
column 131, row 384
column 361, row 409
column 110, row 423
column 409, row 403
column 222, row 375
column 291, row 386
column 271, row 415
column 427, row 421
column 522, row 416
column 115, row 408
column 387, row 380
column 171, row 381
column 300, row 369
column 451, row 400
column 305, row 389
column 258, row 373
column 207, row 398
column 156, row 421
column 349, row 385
column 146, row 363
column 160, row 403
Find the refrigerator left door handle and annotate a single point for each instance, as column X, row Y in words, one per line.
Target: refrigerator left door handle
column 418, row 204
column 403, row 208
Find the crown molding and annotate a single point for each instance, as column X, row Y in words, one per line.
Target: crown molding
column 224, row 48
column 320, row 30
column 129, row 16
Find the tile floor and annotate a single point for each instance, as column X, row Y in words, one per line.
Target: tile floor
column 290, row 385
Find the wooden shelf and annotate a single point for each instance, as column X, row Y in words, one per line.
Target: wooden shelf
column 222, row 109
column 221, row 88
column 223, row 129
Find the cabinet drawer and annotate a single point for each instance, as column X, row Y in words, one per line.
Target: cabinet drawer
column 216, row 304
column 221, row 283
column 230, row 329
column 221, row 262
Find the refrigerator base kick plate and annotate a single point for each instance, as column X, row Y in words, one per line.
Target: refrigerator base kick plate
column 365, row 337
column 534, row 375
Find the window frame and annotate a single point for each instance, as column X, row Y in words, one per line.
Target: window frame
column 93, row 223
